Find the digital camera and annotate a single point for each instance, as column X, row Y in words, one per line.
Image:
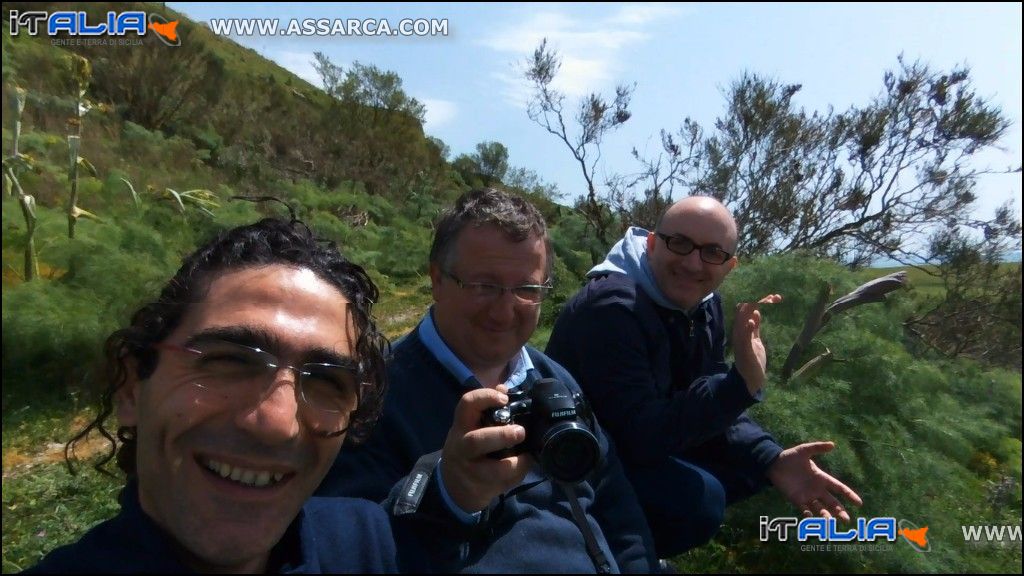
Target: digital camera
column 557, row 430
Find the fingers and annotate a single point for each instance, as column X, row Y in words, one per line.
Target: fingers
column 831, row 507
column 819, row 509
column 471, row 477
column 811, row 449
column 840, row 512
column 813, row 491
column 826, row 506
column 472, row 405
column 846, row 491
column 769, row 299
column 468, row 439
column 815, row 507
column 831, row 484
column 748, row 317
column 483, row 441
column 807, row 510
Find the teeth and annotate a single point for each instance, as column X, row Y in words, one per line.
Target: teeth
column 257, row 478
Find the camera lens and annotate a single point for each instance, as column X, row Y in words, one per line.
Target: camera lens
column 569, row 453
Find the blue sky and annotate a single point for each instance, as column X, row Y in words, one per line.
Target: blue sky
column 681, row 56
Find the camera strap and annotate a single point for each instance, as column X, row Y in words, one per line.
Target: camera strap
column 416, row 484
column 596, row 555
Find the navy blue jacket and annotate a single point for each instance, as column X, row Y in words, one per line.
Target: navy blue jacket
column 659, row 383
column 529, row 530
column 328, row 535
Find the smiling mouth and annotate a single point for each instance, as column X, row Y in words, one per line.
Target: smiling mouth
column 244, row 476
column 689, row 278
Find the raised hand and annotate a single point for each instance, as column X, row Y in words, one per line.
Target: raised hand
column 751, row 357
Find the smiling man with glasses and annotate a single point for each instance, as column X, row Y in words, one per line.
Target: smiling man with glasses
column 645, row 338
column 473, row 510
column 234, row 391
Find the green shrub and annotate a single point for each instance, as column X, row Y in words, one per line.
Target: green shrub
column 908, row 434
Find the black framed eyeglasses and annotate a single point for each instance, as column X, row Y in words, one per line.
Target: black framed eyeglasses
column 328, row 394
column 526, row 293
column 682, row 245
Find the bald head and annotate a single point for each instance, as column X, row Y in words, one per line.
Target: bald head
column 699, row 225
column 710, row 211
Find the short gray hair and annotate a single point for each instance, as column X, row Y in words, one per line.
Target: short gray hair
column 514, row 216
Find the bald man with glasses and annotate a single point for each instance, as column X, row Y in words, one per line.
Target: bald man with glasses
column 645, row 339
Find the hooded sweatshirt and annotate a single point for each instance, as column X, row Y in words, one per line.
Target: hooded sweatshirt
column 656, row 374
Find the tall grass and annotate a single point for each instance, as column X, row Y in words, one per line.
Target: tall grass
column 925, row 439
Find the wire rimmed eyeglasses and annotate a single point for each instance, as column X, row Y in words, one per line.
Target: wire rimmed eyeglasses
column 328, row 393
column 526, row 293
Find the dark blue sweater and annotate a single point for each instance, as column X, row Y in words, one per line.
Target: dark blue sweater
column 329, row 535
column 659, row 382
column 529, row 530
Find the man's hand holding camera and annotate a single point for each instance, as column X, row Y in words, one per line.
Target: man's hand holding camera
column 470, row 476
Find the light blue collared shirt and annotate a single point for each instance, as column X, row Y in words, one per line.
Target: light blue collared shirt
column 518, row 368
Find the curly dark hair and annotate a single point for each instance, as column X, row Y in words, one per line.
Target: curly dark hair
column 269, row 241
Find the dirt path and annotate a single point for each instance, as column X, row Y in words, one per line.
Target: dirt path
column 17, row 462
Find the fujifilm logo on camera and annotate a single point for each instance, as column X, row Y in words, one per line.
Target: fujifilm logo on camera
column 563, row 413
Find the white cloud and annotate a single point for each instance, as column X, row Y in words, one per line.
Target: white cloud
column 439, row 112
column 522, row 37
column 639, row 14
column 579, row 76
column 300, row 63
column 590, row 49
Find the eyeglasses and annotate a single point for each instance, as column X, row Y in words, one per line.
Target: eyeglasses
column 328, row 393
column 527, row 293
column 682, row 245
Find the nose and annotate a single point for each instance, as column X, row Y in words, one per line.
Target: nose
column 503, row 308
column 274, row 417
column 692, row 261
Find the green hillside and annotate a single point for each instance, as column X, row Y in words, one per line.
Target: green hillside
column 170, row 136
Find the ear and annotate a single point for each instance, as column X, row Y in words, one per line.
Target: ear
column 732, row 263
column 435, row 279
column 651, row 239
column 127, row 396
